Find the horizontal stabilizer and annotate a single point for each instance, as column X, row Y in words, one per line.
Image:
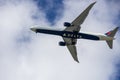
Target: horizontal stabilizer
column 110, row 44
column 111, row 34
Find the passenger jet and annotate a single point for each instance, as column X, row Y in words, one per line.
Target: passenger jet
column 71, row 33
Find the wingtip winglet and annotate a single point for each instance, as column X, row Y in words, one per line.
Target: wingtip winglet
column 77, row 61
column 117, row 28
column 93, row 3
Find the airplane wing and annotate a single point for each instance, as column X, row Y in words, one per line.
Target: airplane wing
column 80, row 19
column 76, row 27
column 71, row 48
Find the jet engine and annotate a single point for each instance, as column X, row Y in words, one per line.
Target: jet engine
column 62, row 43
column 67, row 24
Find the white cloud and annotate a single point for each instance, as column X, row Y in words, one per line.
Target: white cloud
column 25, row 55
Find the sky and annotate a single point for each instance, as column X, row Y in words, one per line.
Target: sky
column 25, row 55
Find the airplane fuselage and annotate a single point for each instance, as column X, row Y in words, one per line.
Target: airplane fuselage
column 68, row 34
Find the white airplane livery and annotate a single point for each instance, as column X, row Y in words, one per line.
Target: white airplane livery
column 71, row 33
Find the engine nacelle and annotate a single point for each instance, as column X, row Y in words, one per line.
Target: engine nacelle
column 62, row 43
column 67, row 24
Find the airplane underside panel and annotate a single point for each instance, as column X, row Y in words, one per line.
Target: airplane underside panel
column 53, row 32
column 75, row 35
column 88, row 36
column 68, row 34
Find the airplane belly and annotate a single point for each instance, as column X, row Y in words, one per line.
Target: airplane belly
column 88, row 36
column 45, row 31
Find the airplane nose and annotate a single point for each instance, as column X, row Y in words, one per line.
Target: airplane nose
column 33, row 29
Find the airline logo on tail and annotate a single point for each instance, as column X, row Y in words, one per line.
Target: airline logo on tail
column 108, row 33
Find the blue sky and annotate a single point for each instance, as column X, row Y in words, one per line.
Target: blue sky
column 52, row 9
column 25, row 55
column 117, row 76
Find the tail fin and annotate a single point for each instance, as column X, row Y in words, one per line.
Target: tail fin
column 111, row 34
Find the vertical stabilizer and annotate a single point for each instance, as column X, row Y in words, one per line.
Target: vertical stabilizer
column 111, row 34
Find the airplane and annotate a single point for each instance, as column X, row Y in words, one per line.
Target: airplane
column 71, row 33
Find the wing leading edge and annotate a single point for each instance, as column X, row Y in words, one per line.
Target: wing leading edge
column 80, row 19
column 76, row 27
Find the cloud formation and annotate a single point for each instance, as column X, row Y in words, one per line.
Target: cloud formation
column 52, row 9
column 25, row 55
